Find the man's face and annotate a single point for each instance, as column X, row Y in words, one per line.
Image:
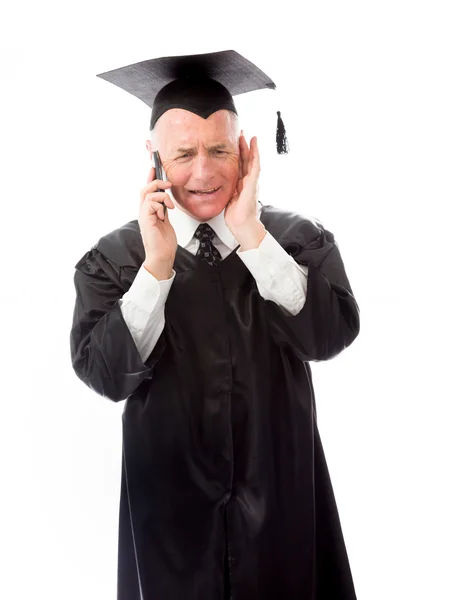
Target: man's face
column 199, row 155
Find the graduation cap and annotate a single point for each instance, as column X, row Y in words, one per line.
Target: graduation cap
column 200, row 83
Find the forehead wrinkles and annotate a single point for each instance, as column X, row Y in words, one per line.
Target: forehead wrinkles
column 178, row 128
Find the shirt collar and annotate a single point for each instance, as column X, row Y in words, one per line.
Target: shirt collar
column 185, row 226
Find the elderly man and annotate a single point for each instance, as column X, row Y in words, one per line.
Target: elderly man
column 204, row 316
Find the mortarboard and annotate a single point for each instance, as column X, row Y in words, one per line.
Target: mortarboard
column 200, row 83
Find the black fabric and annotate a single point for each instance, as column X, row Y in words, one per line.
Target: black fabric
column 206, row 250
column 200, row 83
column 227, row 74
column 223, row 474
column 201, row 96
column 281, row 136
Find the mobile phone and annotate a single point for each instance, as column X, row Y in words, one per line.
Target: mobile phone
column 159, row 174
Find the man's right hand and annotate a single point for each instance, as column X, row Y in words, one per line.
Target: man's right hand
column 158, row 235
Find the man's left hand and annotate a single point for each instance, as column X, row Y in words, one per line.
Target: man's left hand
column 241, row 211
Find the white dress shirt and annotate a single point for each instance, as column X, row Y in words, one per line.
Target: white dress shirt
column 278, row 277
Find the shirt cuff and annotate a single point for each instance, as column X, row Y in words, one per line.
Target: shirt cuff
column 147, row 291
column 279, row 277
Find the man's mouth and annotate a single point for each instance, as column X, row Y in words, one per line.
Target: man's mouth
column 206, row 192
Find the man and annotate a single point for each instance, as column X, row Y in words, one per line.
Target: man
column 205, row 318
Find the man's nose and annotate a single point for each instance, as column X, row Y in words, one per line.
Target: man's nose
column 201, row 165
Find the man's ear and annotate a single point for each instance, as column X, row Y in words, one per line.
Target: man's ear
column 149, row 148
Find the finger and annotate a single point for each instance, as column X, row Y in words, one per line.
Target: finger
column 240, row 175
column 251, row 153
column 157, row 184
column 243, row 156
column 254, row 160
column 153, row 186
column 158, row 207
column 161, row 197
column 150, row 217
column 168, row 201
column 155, row 208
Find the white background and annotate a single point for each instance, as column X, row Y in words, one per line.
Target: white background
column 367, row 93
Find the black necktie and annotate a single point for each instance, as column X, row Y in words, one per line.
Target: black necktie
column 207, row 251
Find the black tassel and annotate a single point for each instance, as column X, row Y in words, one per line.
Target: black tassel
column 281, row 136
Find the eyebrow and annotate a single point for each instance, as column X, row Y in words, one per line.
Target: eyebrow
column 221, row 146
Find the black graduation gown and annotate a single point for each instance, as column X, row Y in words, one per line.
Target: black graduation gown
column 224, row 480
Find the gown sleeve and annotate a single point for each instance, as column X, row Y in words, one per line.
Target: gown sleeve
column 329, row 320
column 103, row 353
